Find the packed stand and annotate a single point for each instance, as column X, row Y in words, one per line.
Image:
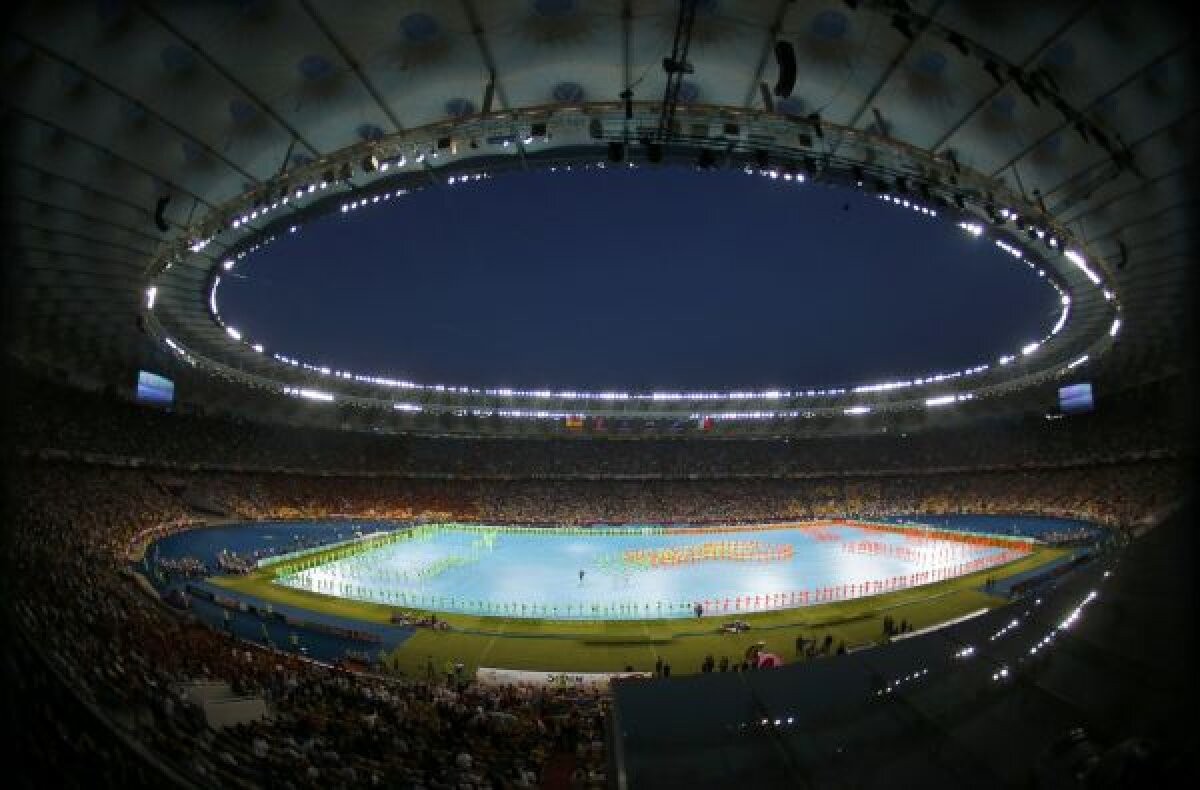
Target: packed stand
column 1111, row 494
column 129, row 469
column 55, row 420
column 125, row 655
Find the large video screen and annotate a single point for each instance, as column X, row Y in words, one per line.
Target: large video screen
column 155, row 389
column 1075, row 398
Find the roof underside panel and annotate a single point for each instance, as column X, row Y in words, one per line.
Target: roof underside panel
column 111, row 106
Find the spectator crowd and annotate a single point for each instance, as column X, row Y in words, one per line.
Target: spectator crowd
column 90, row 474
column 55, row 420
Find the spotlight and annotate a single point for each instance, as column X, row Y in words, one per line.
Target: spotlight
column 785, row 56
column 672, row 66
column 370, row 163
column 160, row 209
column 1037, row 194
column 815, row 120
column 489, row 92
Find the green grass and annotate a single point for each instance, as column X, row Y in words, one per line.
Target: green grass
column 611, row 645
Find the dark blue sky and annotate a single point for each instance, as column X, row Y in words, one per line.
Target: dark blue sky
column 646, row 279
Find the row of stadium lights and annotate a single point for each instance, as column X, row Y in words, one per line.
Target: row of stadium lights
column 543, row 414
column 1076, row 258
column 1042, row 644
column 1002, row 673
column 371, row 163
column 331, row 177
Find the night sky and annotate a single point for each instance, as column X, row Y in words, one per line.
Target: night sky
column 636, row 280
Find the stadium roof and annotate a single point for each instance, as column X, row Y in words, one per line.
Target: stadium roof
column 111, row 106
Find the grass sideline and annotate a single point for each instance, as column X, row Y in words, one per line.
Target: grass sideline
column 611, row 645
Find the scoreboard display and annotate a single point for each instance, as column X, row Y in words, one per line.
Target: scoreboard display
column 1076, row 398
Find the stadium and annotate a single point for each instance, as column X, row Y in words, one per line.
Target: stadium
column 599, row 394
